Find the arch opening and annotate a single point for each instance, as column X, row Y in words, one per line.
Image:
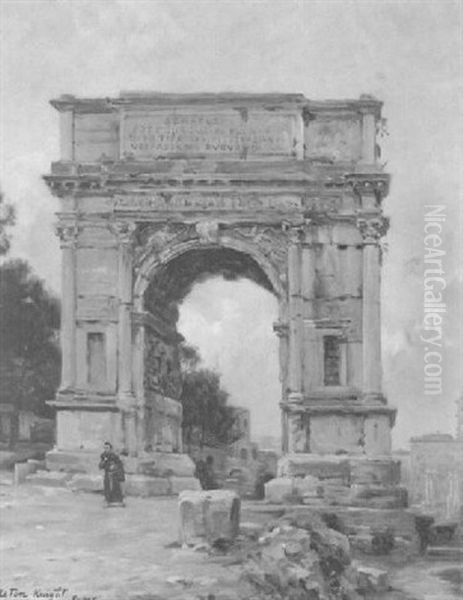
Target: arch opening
column 170, row 285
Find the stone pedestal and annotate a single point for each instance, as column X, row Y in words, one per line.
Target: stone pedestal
column 338, row 480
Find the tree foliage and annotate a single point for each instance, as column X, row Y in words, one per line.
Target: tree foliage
column 7, row 219
column 29, row 349
column 207, row 418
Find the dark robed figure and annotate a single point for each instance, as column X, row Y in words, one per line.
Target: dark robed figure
column 113, row 475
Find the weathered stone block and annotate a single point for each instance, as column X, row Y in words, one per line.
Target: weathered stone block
column 210, row 515
column 86, row 483
column 321, row 467
column 72, row 462
column 280, row 490
column 164, row 464
column 308, row 487
column 21, row 471
column 375, row 471
column 141, row 485
column 180, row 484
column 49, row 478
column 372, row 580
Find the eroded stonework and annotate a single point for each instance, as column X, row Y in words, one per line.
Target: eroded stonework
column 160, row 190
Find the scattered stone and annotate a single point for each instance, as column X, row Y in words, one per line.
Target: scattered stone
column 251, row 530
column 372, row 580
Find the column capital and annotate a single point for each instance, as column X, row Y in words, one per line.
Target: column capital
column 295, row 233
column 67, row 233
column 368, row 185
column 372, row 229
column 123, row 231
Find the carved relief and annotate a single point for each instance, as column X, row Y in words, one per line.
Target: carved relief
column 373, row 229
column 155, row 237
column 162, row 372
column 124, row 231
column 271, row 242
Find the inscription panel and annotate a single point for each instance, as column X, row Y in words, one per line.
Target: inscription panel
column 234, row 134
column 195, row 202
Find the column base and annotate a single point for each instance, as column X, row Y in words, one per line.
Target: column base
column 346, row 480
column 151, row 474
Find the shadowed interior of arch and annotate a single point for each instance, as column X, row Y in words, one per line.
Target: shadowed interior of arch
column 174, row 280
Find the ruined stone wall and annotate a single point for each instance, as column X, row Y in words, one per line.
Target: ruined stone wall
column 437, row 475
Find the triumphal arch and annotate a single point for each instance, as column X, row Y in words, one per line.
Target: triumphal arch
column 159, row 190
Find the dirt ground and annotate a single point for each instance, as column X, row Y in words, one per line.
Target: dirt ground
column 52, row 538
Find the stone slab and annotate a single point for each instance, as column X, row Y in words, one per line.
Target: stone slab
column 86, row 483
column 322, row 467
column 372, row 580
column 280, row 490
column 49, row 478
column 143, row 486
column 165, row 464
column 73, row 462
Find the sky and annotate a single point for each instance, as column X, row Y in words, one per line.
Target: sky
column 408, row 54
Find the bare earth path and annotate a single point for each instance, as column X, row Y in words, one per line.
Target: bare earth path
column 52, row 538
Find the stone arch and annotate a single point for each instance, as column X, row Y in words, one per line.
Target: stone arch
column 154, row 260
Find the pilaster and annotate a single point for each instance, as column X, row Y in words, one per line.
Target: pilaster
column 123, row 232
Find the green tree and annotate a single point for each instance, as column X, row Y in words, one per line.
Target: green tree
column 207, row 418
column 7, row 219
column 29, row 349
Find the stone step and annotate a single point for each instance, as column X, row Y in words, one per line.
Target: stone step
column 49, row 478
column 135, row 485
column 353, row 519
column 450, row 553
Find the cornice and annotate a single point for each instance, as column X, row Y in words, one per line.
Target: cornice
column 270, row 101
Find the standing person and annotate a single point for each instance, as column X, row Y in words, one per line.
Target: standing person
column 210, row 480
column 113, row 476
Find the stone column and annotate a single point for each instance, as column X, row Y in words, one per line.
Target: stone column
column 125, row 395
column 371, row 229
column 68, row 236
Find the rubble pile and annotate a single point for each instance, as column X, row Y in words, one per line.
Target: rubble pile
column 299, row 557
